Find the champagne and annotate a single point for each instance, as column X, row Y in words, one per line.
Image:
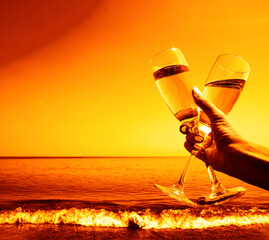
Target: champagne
column 224, row 93
column 175, row 85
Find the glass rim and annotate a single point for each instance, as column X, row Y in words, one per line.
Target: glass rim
column 234, row 55
column 162, row 51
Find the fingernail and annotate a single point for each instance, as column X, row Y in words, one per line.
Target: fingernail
column 196, row 92
column 183, row 129
column 198, row 138
column 198, row 146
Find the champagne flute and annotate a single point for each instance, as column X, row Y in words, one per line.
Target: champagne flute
column 174, row 81
column 224, row 84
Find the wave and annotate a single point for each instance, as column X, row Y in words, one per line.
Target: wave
column 150, row 218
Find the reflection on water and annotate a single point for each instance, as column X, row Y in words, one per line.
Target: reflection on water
column 118, row 180
column 118, row 192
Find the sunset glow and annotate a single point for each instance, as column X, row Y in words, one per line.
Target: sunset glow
column 75, row 78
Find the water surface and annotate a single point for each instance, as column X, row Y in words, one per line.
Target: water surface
column 98, row 197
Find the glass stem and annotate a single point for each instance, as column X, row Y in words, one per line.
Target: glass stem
column 181, row 182
column 216, row 186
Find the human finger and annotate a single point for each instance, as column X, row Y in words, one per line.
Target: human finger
column 194, row 138
column 185, row 128
column 189, row 146
column 209, row 108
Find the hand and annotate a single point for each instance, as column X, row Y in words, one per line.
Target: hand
column 225, row 150
column 220, row 147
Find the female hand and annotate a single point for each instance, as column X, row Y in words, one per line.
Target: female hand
column 219, row 148
column 225, row 150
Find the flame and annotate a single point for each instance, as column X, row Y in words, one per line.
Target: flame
column 147, row 219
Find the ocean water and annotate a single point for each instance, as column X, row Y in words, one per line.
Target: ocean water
column 114, row 198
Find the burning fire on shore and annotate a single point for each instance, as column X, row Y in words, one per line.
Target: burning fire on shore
column 147, row 219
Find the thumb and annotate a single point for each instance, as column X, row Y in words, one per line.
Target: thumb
column 208, row 107
column 222, row 129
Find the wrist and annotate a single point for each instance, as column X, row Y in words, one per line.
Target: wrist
column 249, row 162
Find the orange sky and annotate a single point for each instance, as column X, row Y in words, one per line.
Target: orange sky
column 75, row 78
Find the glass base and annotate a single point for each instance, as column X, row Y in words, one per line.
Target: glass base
column 221, row 195
column 176, row 193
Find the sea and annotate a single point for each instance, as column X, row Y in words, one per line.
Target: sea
column 114, row 198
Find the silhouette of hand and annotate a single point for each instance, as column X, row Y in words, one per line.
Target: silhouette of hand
column 221, row 145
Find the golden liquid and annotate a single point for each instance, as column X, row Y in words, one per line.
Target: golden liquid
column 187, row 115
column 175, row 85
column 224, row 93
